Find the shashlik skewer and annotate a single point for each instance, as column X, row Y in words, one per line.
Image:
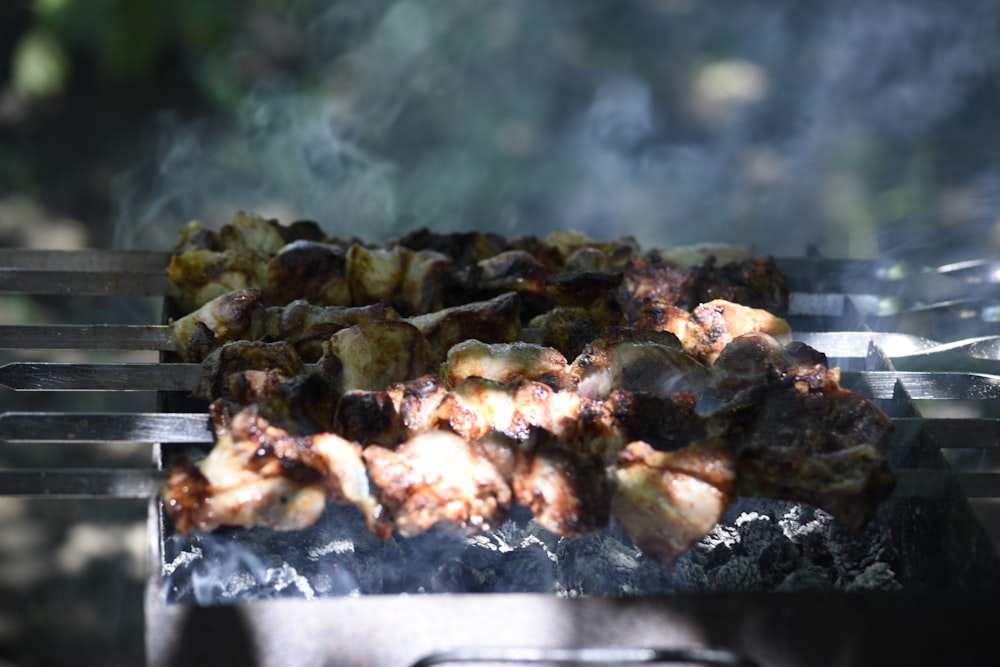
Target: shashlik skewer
column 183, row 377
column 97, row 271
column 143, row 483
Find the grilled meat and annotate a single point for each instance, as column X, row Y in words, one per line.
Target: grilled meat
column 667, row 501
column 438, row 478
column 707, row 329
column 505, row 363
column 424, row 409
column 308, row 327
column 237, row 315
column 259, row 475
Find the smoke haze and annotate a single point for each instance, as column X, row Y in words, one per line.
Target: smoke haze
column 854, row 126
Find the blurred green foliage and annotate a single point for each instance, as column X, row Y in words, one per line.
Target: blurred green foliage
column 121, row 40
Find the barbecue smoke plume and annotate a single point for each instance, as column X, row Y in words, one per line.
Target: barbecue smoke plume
column 777, row 124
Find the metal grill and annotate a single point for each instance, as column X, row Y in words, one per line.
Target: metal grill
column 910, row 338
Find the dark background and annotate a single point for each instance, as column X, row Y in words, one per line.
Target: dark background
column 860, row 128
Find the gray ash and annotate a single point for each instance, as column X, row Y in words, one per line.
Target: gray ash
column 758, row 546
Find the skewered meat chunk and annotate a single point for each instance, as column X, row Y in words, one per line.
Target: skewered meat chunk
column 199, row 276
column 651, row 368
column 464, row 248
column 665, row 422
column 710, row 327
column 278, row 359
column 758, row 358
column 309, row 271
column 412, row 282
column 308, row 327
column 756, row 282
column 509, row 271
column 798, row 435
column 497, row 320
column 371, row 355
column 438, row 478
column 667, row 501
column 505, row 363
column 259, row 475
column 238, row 315
column 476, row 406
column 567, row 491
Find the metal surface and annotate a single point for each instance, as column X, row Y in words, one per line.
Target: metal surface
column 784, row 630
column 81, row 483
column 87, row 337
column 26, row 427
column 599, row 655
column 55, row 376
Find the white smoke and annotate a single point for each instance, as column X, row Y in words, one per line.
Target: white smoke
column 770, row 123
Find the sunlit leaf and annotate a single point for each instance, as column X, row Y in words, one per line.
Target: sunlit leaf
column 40, row 64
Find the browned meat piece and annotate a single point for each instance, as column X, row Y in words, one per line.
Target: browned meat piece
column 567, row 491
column 237, row 315
column 755, row 359
column 199, row 276
column 308, row 270
column 369, row 417
column 497, row 320
column 755, row 282
column 706, row 330
column 586, row 426
column 371, row 355
column 308, row 327
column 412, row 282
column 849, row 483
column 259, row 475
column 475, row 407
column 570, row 244
column 439, row 479
column 464, row 248
column 650, row 368
column 667, row 501
column 804, row 437
column 506, row 363
column 586, row 289
column 234, row 358
column 508, row 271
column 665, row 422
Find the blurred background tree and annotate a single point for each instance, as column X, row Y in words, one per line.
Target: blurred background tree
column 79, row 82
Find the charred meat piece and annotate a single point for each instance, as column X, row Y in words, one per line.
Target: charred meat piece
column 571, row 243
column 476, row 406
column 849, row 483
column 439, row 479
column 237, row 315
column 412, row 282
column 371, row 355
column 505, row 363
column 464, row 248
column 497, row 320
column 567, row 491
column 805, row 438
column 586, row 426
column 755, row 282
column 650, row 368
column 199, row 276
column 668, row 501
column 307, row 327
column 310, row 271
column 665, row 422
column 259, row 475
column 758, row 358
column 706, row 330
column 277, row 359
column 508, row 271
